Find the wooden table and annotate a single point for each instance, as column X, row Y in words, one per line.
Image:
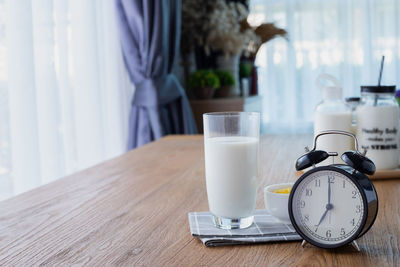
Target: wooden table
column 132, row 210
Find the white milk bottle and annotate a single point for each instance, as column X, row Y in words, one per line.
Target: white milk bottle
column 332, row 114
column 378, row 126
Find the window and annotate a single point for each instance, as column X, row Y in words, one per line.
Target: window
column 345, row 38
column 64, row 92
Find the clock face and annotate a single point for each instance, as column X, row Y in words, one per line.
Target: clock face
column 328, row 208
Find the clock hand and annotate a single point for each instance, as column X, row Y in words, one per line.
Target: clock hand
column 328, row 207
column 329, row 191
column 323, row 217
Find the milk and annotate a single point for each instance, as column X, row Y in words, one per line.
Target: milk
column 231, row 175
column 377, row 131
column 334, row 143
column 332, row 114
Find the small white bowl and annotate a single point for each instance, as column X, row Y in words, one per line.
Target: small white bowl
column 277, row 204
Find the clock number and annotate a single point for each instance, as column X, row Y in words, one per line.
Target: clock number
column 302, row 204
column 306, row 218
column 353, row 222
column 344, row 183
column 354, row 194
column 308, row 192
column 358, row 209
column 331, row 179
column 342, row 232
column 318, row 183
column 328, row 233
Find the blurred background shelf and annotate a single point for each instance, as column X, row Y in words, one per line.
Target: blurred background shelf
column 199, row 107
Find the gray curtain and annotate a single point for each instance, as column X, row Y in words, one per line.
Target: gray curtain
column 149, row 33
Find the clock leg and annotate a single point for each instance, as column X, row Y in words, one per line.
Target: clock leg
column 303, row 243
column 355, row 245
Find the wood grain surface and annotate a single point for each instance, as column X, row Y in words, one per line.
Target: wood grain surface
column 385, row 174
column 132, row 210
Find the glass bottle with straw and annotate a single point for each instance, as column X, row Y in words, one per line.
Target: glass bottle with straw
column 378, row 123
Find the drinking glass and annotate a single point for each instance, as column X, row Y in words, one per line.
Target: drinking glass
column 231, row 145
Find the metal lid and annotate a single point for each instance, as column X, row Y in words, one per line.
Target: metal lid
column 353, row 99
column 378, row 89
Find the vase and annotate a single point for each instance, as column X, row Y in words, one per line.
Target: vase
column 254, row 82
column 231, row 65
column 245, row 87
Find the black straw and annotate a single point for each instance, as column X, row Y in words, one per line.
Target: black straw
column 379, row 80
column 380, row 72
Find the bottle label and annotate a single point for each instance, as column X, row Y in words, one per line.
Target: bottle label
column 379, row 138
column 378, row 133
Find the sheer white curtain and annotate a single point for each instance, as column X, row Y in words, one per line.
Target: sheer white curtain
column 64, row 91
column 345, row 38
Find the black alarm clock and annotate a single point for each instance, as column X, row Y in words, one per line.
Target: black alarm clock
column 331, row 206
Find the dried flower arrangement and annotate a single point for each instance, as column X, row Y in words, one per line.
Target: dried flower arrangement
column 265, row 32
column 221, row 26
column 215, row 34
column 194, row 18
column 224, row 31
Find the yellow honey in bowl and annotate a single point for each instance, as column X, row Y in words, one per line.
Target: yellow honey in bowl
column 283, row 190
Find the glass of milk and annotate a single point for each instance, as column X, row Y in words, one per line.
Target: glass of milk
column 231, row 142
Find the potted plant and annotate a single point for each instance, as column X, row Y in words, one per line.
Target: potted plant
column 203, row 83
column 226, row 81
